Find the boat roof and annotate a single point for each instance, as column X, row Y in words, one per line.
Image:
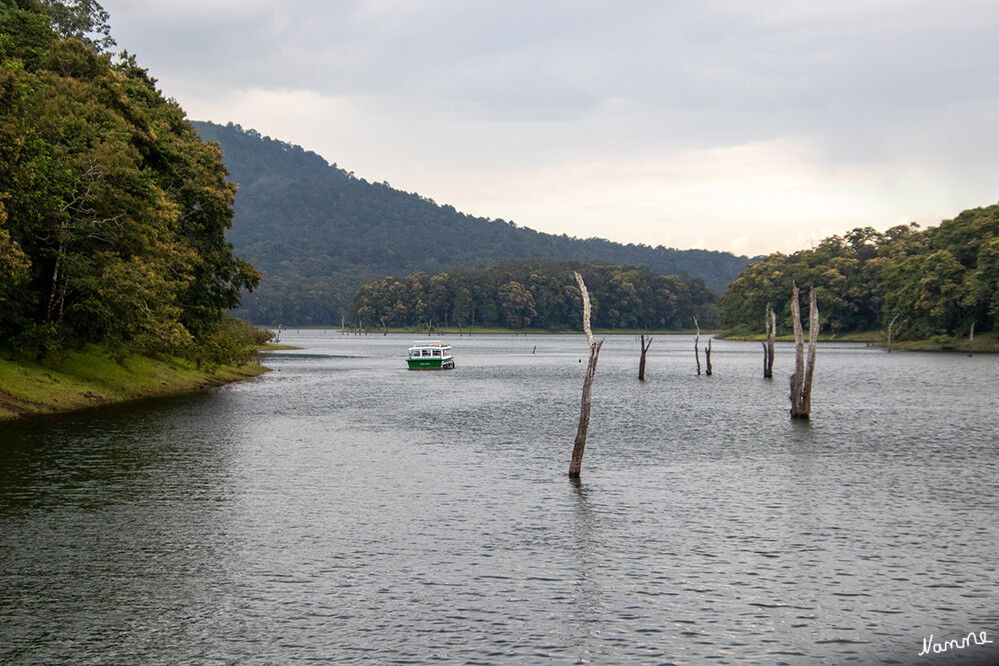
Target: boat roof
column 430, row 343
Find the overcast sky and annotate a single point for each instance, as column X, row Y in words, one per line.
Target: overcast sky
column 742, row 126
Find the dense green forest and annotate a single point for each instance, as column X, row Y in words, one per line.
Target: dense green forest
column 538, row 294
column 113, row 211
column 940, row 281
column 317, row 233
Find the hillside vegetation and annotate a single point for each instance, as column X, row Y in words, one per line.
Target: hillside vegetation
column 318, row 234
column 113, row 211
column 933, row 283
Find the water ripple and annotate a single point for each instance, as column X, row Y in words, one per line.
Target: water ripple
column 343, row 509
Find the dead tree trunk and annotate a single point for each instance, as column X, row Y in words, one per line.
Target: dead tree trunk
column 891, row 324
column 813, row 346
column 707, row 359
column 584, row 409
column 770, row 324
column 971, row 338
column 641, row 361
column 766, row 349
column 770, row 343
column 801, row 380
column 697, row 342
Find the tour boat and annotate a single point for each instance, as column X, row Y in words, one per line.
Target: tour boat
column 430, row 355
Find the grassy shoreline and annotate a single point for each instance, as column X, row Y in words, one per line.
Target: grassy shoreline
column 421, row 334
column 90, row 378
column 983, row 343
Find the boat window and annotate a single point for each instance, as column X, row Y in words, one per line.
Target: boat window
column 437, row 352
column 426, row 352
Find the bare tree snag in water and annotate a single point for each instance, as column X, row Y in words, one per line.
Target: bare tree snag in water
column 891, row 324
column 584, row 409
column 770, row 324
column 641, row 361
column 697, row 342
column 707, row 359
column 801, row 380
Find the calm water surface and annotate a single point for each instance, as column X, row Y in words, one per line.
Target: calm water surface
column 344, row 509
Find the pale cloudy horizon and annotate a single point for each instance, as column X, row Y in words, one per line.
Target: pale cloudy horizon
column 717, row 125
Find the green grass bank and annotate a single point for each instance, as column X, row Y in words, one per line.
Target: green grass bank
column 983, row 343
column 436, row 332
column 90, row 377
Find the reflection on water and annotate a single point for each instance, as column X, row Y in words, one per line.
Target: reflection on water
column 343, row 508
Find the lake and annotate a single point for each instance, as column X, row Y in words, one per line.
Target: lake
column 344, row 509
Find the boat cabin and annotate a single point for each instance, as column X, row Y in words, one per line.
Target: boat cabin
column 430, row 355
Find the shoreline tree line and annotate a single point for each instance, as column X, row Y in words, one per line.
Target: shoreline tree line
column 942, row 281
column 537, row 293
column 936, row 283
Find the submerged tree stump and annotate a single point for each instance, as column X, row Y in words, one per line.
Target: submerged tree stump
column 697, row 342
column 641, row 361
column 707, row 359
column 770, row 325
column 801, row 380
column 579, row 446
column 891, row 325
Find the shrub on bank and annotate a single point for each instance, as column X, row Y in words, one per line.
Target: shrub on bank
column 234, row 342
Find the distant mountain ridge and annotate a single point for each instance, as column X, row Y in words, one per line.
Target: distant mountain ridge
column 317, row 234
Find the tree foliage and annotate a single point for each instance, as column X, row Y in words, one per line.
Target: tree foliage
column 113, row 211
column 538, row 293
column 938, row 281
column 84, row 20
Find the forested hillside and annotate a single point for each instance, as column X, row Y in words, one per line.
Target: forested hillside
column 113, row 211
column 940, row 281
column 539, row 294
column 317, row 234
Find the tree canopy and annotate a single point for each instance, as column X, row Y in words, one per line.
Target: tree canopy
column 538, row 293
column 939, row 281
column 113, row 211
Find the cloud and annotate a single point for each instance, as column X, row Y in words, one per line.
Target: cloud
column 718, row 122
column 676, row 201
